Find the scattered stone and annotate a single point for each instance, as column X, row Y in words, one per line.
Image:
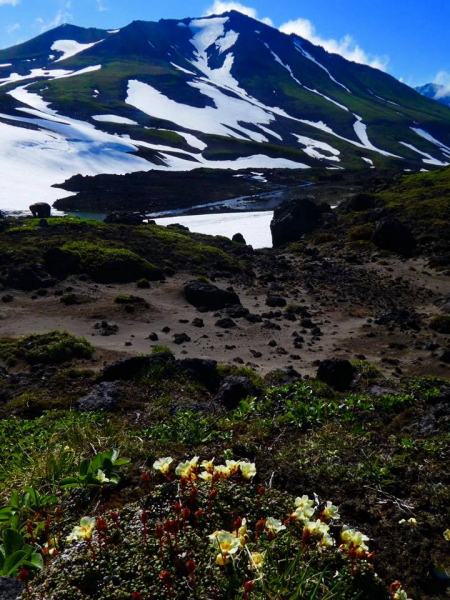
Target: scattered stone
column 275, row 301
column 253, row 318
column 399, row 317
column 153, row 337
column 272, row 343
column 209, row 296
column 256, row 353
column 106, row 329
column 103, row 397
column 389, row 234
column 197, row 322
column 336, row 372
column 234, row 389
column 7, row 298
column 238, row 311
column 10, row 588
column 444, row 356
column 226, row 323
column 165, row 329
column 181, row 338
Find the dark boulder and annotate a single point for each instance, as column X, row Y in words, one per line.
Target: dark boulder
column 273, row 300
column 389, row 234
column 41, row 210
column 130, row 368
column 226, row 323
column 10, row 588
column 178, row 227
column 28, row 280
column 361, row 202
column 444, row 356
column 336, row 372
column 200, row 370
column 103, row 397
column 124, row 218
column 181, row 338
column 237, row 312
column 206, row 295
column 234, row 389
column 294, row 218
column 239, row 238
column 402, row 318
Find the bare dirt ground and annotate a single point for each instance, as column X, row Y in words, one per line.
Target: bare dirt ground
column 345, row 322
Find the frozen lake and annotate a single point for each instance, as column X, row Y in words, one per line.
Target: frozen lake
column 254, row 226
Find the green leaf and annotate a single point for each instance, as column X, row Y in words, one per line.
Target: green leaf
column 14, row 500
column 35, row 561
column 121, row 461
column 84, row 467
column 12, row 541
column 114, row 455
column 13, row 562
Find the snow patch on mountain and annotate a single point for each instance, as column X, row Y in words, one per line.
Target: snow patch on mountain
column 114, row 119
column 228, row 41
column 361, row 131
column 327, row 98
column 70, row 48
column 287, row 67
column 225, row 118
column 307, row 55
column 313, row 147
column 427, row 136
column 35, row 74
column 182, row 69
column 429, row 160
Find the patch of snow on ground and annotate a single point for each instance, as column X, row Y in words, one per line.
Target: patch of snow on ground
column 5, row 65
column 279, row 61
column 369, row 161
column 35, row 73
column 227, row 42
column 114, row 31
column 254, row 226
column 182, row 70
column 80, row 72
column 70, row 48
column 307, row 55
column 361, row 131
column 429, row 160
column 114, row 119
column 312, row 148
column 326, row 98
column 193, row 141
column 223, row 119
column 427, row 136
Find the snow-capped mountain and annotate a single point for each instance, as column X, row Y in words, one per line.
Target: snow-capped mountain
column 436, row 92
column 219, row 92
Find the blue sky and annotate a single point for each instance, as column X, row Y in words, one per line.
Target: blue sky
column 408, row 38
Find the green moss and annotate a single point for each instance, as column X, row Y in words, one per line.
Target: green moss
column 49, row 348
column 157, row 349
column 143, row 284
column 129, row 299
column 110, row 265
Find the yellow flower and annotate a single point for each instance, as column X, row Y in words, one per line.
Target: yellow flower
column 83, row 531
column 358, row 539
column 233, row 465
column 412, row 522
column 208, row 465
column 206, row 476
column 223, row 471
column 163, row 464
column 248, row 470
column 447, row 535
column 401, row 595
column 184, row 470
column 222, row 559
column 242, row 533
column 331, row 511
column 302, row 513
column 257, row 560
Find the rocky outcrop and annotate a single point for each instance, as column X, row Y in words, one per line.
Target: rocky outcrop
column 389, row 234
column 336, row 372
column 294, row 218
column 208, row 296
column 233, row 390
column 103, row 397
column 239, row 238
column 129, row 368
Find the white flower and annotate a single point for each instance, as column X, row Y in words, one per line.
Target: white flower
column 101, row 477
column 208, row 465
column 331, row 511
column 304, row 502
column 274, row 526
column 233, row 465
column 248, row 470
column 257, row 560
column 227, row 542
column 163, row 464
column 206, row 476
column 83, row 531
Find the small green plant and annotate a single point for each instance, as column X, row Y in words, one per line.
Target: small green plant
column 440, row 323
column 143, row 284
column 95, row 472
column 129, row 299
column 158, row 349
column 20, row 507
column 54, row 347
column 15, row 553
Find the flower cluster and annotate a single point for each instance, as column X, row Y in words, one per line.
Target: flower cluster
column 83, row 531
column 188, row 470
column 397, row 592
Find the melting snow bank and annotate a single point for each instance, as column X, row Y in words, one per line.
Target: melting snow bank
column 254, row 226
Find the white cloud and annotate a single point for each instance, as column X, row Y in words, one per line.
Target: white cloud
column 13, row 27
column 60, row 17
column 346, row 46
column 9, row 2
column 442, row 78
column 221, row 6
column 101, row 6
